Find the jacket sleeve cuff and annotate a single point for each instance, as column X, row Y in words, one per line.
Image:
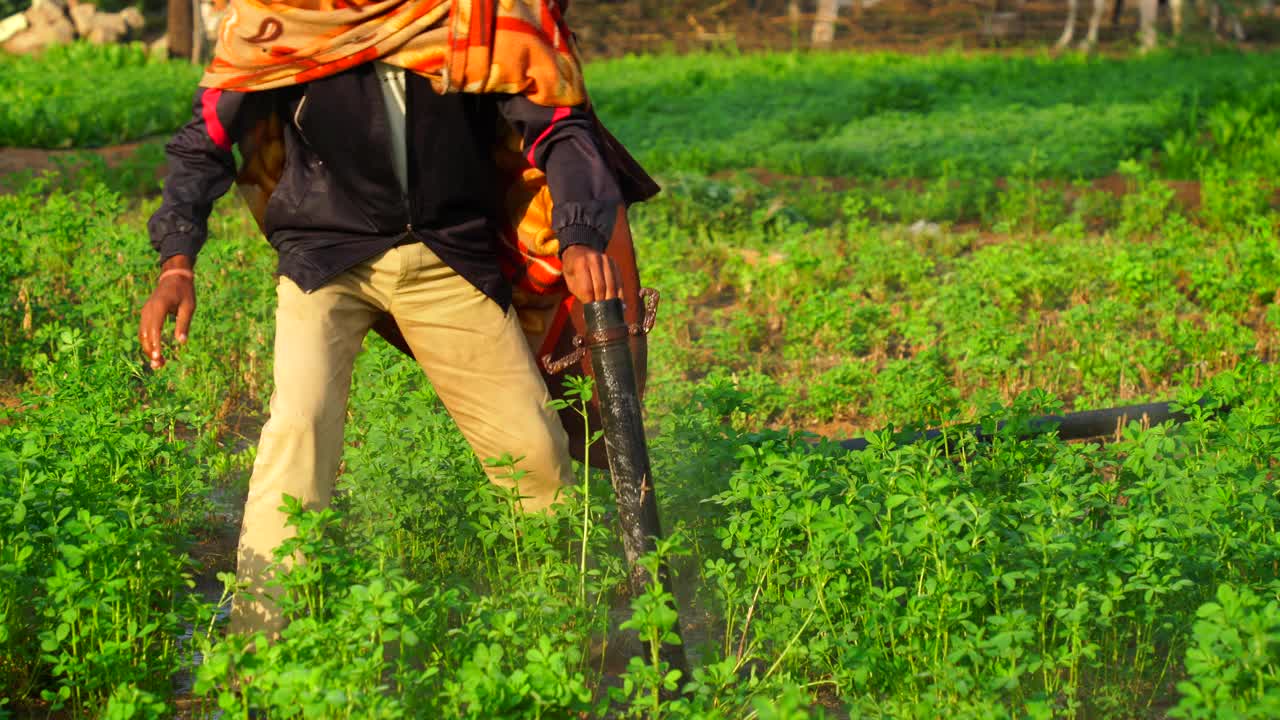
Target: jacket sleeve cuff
column 571, row 235
column 178, row 245
column 173, row 235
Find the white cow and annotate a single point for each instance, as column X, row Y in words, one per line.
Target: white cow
column 1147, row 11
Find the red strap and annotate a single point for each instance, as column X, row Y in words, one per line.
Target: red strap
column 552, row 339
column 560, row 114
column 209, row 111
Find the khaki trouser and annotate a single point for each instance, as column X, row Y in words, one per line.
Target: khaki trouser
column 475, row 356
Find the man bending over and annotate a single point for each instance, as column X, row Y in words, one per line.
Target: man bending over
column 367, row 131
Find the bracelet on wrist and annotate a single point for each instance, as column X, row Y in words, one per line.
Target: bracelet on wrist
column 177, row 271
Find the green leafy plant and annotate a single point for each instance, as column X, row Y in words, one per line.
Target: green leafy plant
column 65, row 108
column 653, row 617
column 1233, row 662
column 1232, row 197
column 1014, row 577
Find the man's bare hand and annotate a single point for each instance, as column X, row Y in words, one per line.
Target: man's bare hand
column 590, row 274
column 175, row 294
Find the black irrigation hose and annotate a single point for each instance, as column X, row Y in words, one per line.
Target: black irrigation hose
column 1072, row 426
column 609, row 341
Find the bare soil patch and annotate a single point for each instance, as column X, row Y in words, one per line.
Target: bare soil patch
column 37, row 160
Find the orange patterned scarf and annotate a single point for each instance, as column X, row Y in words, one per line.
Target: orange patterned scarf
column 474, row 46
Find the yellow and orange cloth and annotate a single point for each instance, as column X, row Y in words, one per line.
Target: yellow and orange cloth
column 474, row 46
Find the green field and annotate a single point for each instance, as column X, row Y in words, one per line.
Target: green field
column 845, row 244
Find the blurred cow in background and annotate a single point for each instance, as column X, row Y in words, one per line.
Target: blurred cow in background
column 1221, row 20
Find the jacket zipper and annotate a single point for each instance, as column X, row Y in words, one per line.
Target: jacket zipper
column 404, row 192
column 408, row 203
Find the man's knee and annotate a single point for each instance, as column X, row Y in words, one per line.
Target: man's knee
column 298, row 454
column 543, row 466
column 307, row 413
